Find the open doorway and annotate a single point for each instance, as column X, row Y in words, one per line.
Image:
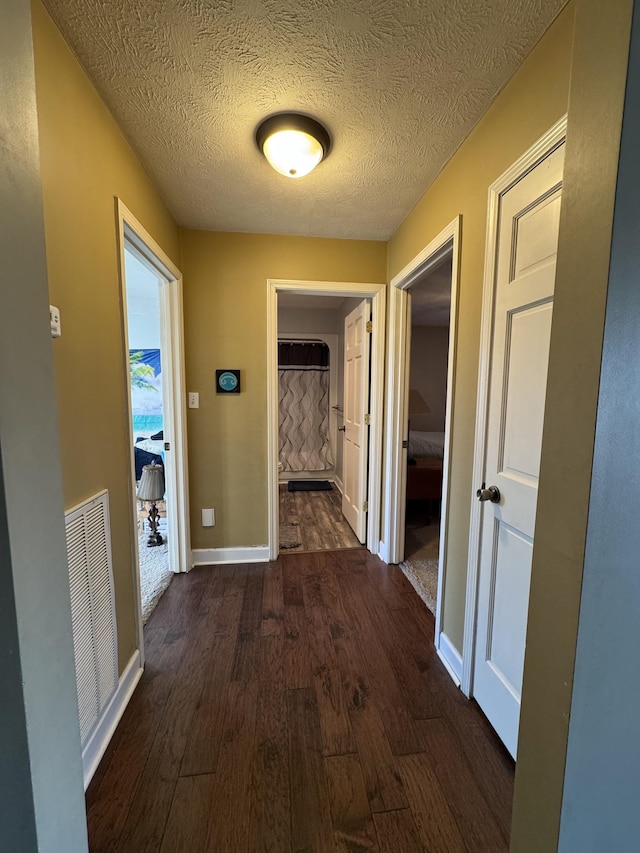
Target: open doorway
column 147, row 420
column 429, row 279
column 153, row 349
column 429, row 315
column 312, row 423
column 314, row 315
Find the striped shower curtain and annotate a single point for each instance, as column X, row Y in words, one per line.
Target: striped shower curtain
column 303, row 376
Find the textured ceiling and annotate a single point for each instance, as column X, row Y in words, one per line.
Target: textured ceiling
column 398, row 83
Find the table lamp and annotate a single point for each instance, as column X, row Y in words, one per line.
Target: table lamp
column 151, row 489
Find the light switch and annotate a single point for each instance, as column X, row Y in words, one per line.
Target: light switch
column 54, row 315
column 208, row 517
column 194, row 400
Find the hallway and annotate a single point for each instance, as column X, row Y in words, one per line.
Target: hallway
column 298, row 705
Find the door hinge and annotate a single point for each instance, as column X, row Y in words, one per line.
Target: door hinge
column 367, row 420
column 167, row 445
column 365, row 506
column 369, row 326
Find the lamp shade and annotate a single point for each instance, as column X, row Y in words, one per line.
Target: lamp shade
column 417, row 403
column 293, row 144
column 151, row 486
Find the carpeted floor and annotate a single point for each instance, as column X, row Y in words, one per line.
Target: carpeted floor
column 421, row 561
column 155, row 575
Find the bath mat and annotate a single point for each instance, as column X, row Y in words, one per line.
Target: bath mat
column 309, row 486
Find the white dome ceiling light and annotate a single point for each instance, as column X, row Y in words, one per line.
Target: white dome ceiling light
column 293, row 144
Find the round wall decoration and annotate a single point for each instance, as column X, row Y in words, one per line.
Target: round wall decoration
column 227, row 381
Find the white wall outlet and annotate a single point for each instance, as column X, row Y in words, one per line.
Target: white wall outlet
column 208, row 518
column 54, row 315
column 194, row 400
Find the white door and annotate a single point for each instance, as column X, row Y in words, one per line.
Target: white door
column 356, row 431
column 527, row 238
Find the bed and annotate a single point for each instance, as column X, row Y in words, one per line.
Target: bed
column 426, row 444
column 147, row 451
column 424, row 466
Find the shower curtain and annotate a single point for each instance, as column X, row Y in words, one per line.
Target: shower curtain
column 303, row 376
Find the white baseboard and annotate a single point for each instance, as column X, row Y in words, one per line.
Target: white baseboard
column 338, row 484
column 221, row 556
column 98, row 742
column 383, row 552
column 450, row 657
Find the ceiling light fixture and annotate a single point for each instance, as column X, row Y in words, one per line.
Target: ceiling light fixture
column 293, row 144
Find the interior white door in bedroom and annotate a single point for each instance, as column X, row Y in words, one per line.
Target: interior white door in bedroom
column 525, row 263
column 356, row 430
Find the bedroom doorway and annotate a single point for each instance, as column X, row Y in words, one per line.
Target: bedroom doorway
column 152, row 334
column 422, row 349
column 146, row 360
column 429, row 307
column 306, row 322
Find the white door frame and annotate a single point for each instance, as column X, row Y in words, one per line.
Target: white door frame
column 375, row 292
column 130, row 230
column 447, row 241
column 541, row 149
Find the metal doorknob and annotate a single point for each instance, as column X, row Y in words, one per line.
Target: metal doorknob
column 341, row 429
column 491, row 494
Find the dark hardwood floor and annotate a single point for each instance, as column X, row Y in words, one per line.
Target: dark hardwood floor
column 314, row 521
column 298, row 706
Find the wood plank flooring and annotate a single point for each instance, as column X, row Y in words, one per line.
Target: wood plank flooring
column 319, row 524
column 298, row 706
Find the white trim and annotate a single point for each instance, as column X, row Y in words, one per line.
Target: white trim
column 375, row 292
column 338, row 484
column 451, row 658
column 529, row 160
column 447, row 241
column 396, row 457
column 131, row 232
column 223, row 556
column 99, row 740
column 383, row 552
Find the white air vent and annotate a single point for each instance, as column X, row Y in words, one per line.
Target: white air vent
column 93, row 615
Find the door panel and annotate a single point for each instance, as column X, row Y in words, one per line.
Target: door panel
column 356, row 433
column 527, row 241
column 526, row 381
column 536, row 236
column 508, row 621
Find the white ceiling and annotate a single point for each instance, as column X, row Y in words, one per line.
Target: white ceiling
column 398, row 83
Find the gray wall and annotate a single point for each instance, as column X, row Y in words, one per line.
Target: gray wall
column 41, row 794
column 600, row 804
column 428, row 374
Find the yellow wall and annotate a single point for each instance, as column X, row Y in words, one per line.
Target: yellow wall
column 225, row 302
column 85, row 162
column 534, row 99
